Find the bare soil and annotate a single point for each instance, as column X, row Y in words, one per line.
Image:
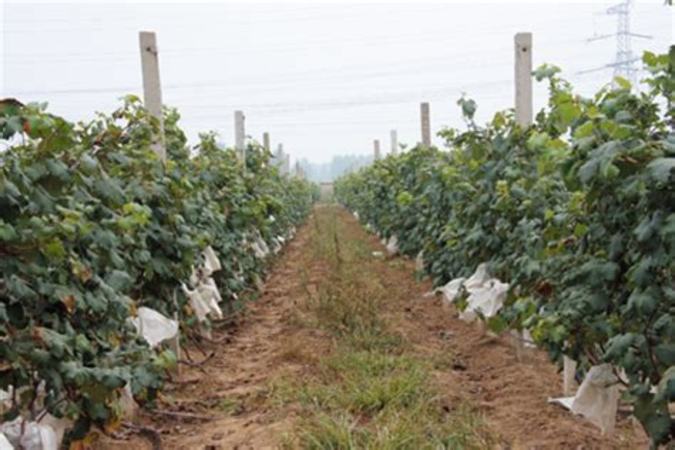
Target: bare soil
column 227, row 402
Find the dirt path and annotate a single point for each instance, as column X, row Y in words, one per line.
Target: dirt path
column 344, row 350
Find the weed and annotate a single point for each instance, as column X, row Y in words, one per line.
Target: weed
column 370, row 391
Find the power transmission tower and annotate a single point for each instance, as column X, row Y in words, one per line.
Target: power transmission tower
column 624, row 61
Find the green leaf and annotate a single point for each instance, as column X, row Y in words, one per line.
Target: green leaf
column 666, row 388
column 497, row 324
column 584, row 130
column 7, row 232
column 643, row 302
column 537, row 141
column 622, row 83
column 654, row 418
column 545, row 71
column 569, row 112
column 665, row 353
column 119, row 280
column 54, row 249
column 661, row 169
column 468, row 107
column 641, row 272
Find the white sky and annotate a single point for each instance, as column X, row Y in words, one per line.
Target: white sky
column 324, row 78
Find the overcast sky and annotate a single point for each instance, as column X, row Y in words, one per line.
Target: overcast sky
column 324, row 78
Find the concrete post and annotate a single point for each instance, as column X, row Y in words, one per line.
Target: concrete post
column 152, row 88
column 426, row 124
column 523, row 78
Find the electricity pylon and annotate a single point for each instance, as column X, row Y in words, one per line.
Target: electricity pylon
column 624, row 61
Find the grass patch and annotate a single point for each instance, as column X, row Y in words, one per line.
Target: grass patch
column 371, row 382
column 370, row 400
column 416, row 430
column 350, row 310
column 370, row 391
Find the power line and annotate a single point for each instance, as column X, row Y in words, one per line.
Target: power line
column 624, row 61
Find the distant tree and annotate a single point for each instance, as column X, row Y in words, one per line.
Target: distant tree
column 339, row 165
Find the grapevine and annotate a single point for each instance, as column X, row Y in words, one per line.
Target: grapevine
column 93, row 226
column 575, row 212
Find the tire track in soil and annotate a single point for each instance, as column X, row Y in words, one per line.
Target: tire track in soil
column 232, row 388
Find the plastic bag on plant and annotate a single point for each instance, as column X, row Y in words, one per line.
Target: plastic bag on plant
column 259, row 247
column 392, row 245
column 153, row 326
column 5, row 399
column 450, row 290
column 479, row 278
column 58, row 425
column 4, row 443
column 597, row 398
column 30, row 435
column 277, row 244
column 487, row 299
column 419, row 261
column 211, row 295
column 211, row 261
column 204, row 299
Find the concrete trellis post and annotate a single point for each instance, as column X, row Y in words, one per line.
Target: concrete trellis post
column 393, row 136
column 426, row 124
column 266, row 141
column 523, row 106
column 240, row 135
column 523, row 78
column 152, row 99
column 152, row 88
column 569, row 370
column 376, row 150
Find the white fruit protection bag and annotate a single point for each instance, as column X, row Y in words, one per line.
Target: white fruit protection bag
column 392, row 245
column 597, row 398
column 486, row 295
column 153, row 326
column 205, row 297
